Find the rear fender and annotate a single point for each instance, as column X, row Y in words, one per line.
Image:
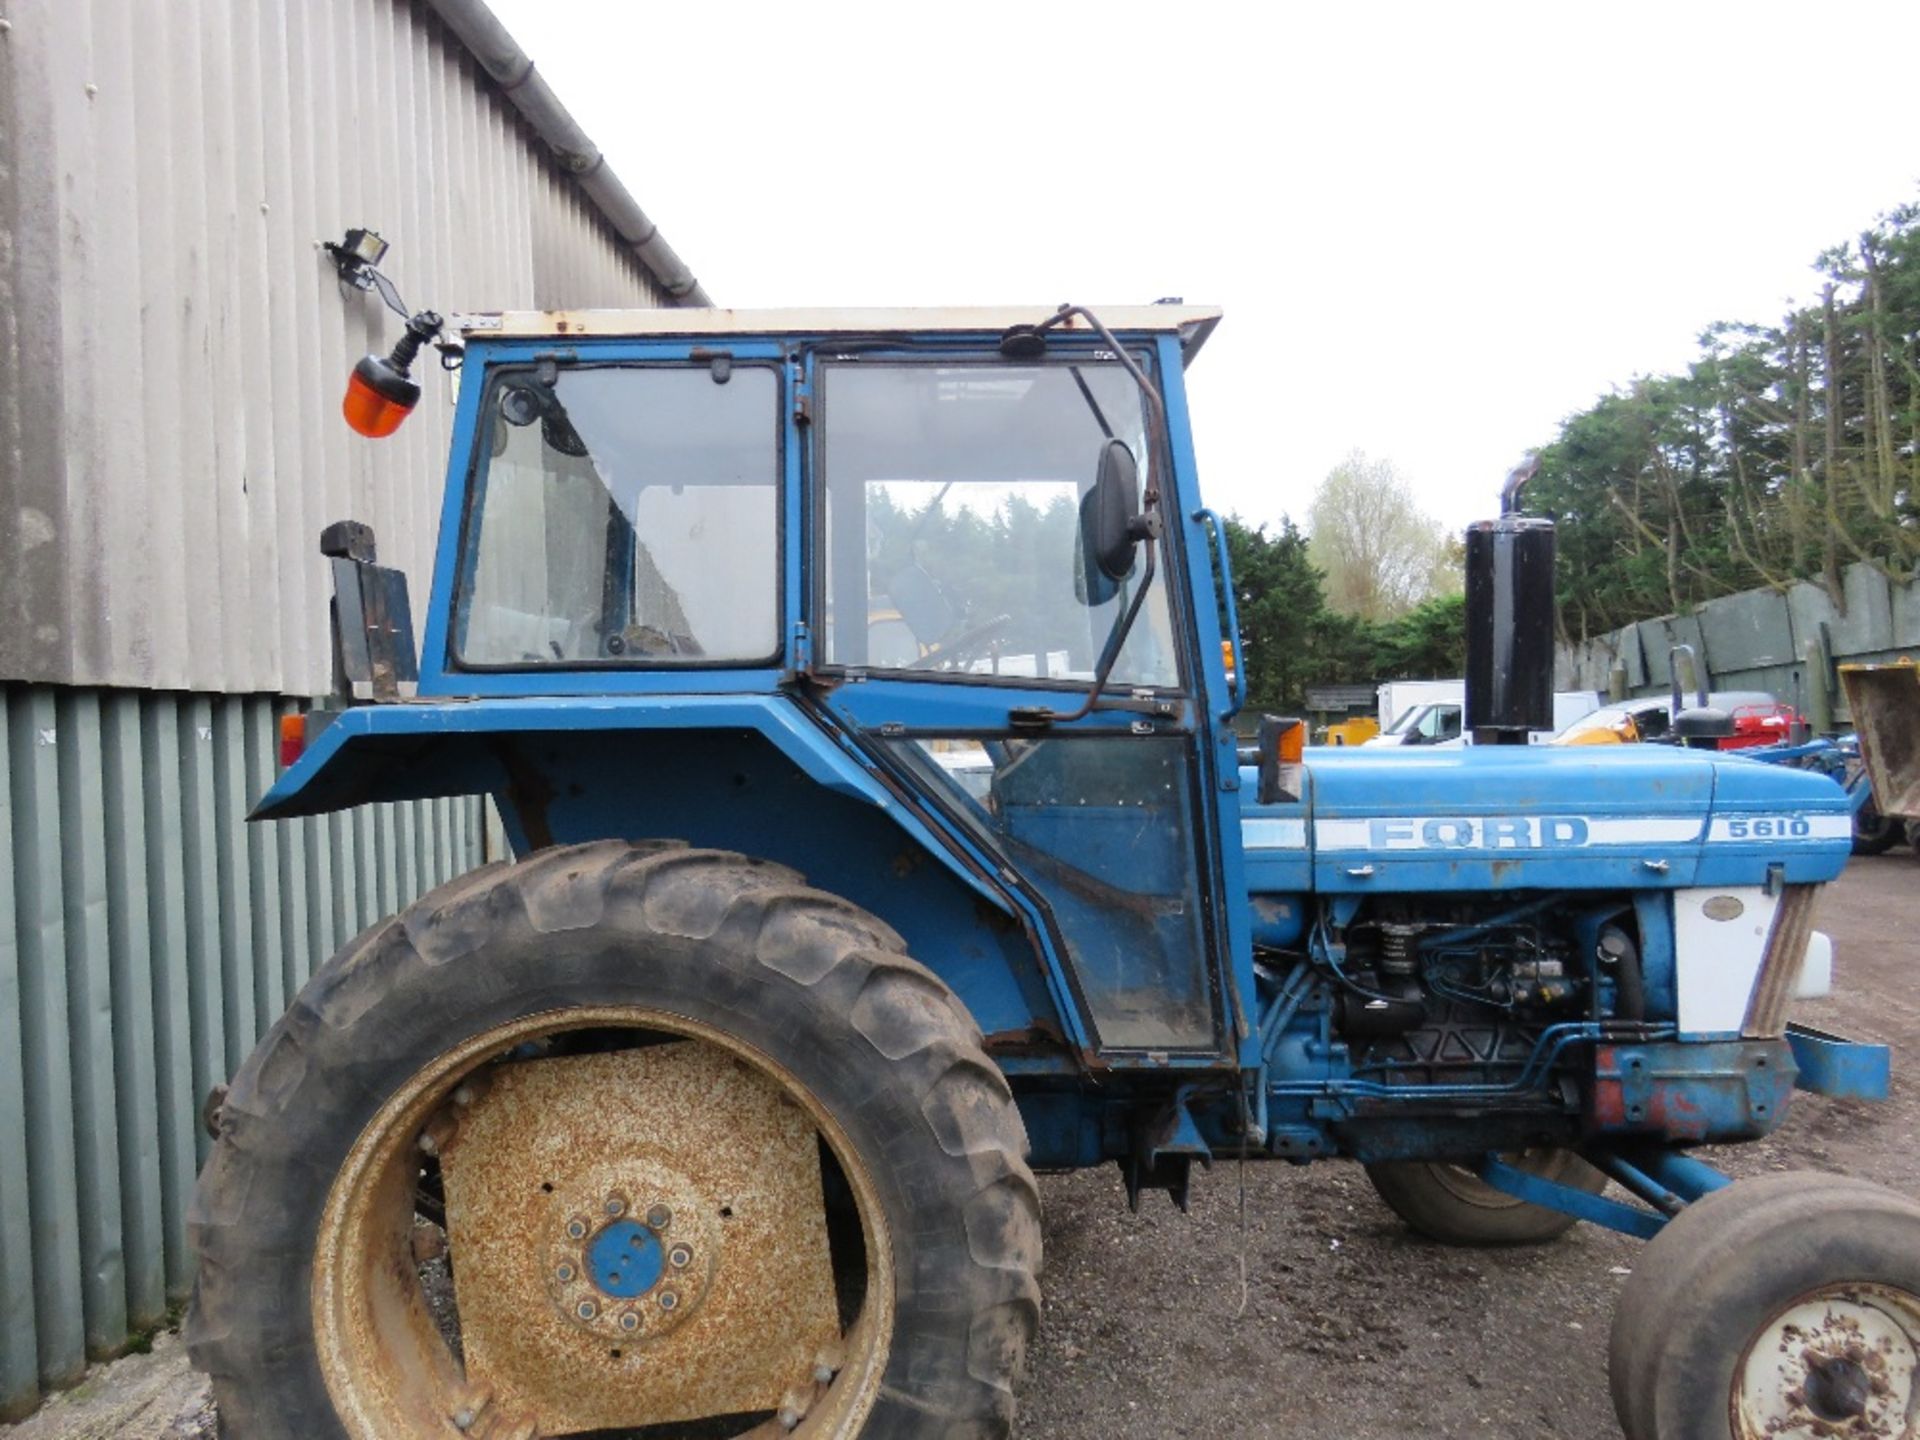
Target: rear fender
column 748, row 773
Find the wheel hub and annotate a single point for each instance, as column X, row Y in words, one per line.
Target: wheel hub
column 1841, row 1361
column 626, row 1260
column 639, row 1233
column 1838, row 1387
column 630, row 1271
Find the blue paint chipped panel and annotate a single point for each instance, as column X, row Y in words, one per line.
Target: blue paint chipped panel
column 1843, row 1069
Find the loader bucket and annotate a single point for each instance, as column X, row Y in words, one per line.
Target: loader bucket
column 1885, row 701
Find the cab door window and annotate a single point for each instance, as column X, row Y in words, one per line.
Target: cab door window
column 953, row 543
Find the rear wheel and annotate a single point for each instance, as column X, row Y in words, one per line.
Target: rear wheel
column 1783, row 1306
column 1451, row 1204
column 622, row 1139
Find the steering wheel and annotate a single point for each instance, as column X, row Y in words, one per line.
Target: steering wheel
column 642, row 640
column 967, row 643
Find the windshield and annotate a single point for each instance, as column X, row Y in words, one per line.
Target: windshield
column 953, row 502
column 624, row 515
column 1430, row 722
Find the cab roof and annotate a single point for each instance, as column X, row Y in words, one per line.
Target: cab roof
column 1192, row 323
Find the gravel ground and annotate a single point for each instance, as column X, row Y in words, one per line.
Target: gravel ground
column 1336, row 1324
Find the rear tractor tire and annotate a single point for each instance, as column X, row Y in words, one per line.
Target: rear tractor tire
column 1777, row 1307
column 619, row 1138
column 1452, row 1205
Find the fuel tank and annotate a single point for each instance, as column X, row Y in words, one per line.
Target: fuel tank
column 1539, row 818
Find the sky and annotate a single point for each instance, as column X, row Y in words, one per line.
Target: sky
column 1436, row 230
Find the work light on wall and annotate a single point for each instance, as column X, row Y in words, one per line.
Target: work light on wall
column 381, row 391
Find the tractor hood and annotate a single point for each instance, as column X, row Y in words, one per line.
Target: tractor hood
column 1538, row 817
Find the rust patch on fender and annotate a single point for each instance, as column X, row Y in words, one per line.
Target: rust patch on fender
column 1042, row 1037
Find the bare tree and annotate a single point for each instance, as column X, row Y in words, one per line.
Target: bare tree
column 1382, row 555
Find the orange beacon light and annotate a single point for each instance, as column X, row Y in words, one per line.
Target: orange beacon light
column 379, row 392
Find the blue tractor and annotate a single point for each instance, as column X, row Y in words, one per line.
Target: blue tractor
column 851, row 688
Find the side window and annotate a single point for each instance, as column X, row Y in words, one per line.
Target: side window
column 624, row 514
column 1653, row 723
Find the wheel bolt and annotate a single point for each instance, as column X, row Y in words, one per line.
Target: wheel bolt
column 616, row 1204
column 659, row 1217
column 565, row 1272
column 680, row 1257
column 668, row 1299
column 587, row 1310
column 576, row 1229
column 629, row 1321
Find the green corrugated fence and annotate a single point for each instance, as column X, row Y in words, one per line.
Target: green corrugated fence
column 148, row 935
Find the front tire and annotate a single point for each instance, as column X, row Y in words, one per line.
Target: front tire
column 1786, row 1305
column 596, row 951
column 1452, row 1205
column 1874, row 833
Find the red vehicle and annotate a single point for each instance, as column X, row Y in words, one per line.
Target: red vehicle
column 1758, row 719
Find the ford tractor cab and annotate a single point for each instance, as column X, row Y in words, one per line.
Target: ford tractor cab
column 850, row 686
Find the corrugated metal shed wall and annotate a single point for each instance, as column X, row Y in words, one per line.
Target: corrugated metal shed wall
column 173, row 345
column 172, row 351
column 148, row 936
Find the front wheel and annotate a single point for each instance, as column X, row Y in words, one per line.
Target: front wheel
column 1874, row 833
column 1452, row 1205
column 1778, row 1307
column 622, row 1138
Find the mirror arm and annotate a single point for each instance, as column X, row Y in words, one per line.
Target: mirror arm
column 1156, row 407
column 1039, row 717
column 1146, row 525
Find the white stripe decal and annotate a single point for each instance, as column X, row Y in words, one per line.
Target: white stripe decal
column 1263, row 833
column 1503, row 832
column 1535, row 832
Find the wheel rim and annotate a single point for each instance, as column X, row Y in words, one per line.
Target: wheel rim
column 1840, row 1360
column 385, row 1352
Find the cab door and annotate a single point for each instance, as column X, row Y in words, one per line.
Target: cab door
column 958, row 621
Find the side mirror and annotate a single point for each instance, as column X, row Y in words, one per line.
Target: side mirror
column 1110, row 532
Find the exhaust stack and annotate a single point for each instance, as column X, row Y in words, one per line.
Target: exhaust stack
column 1510, row 621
